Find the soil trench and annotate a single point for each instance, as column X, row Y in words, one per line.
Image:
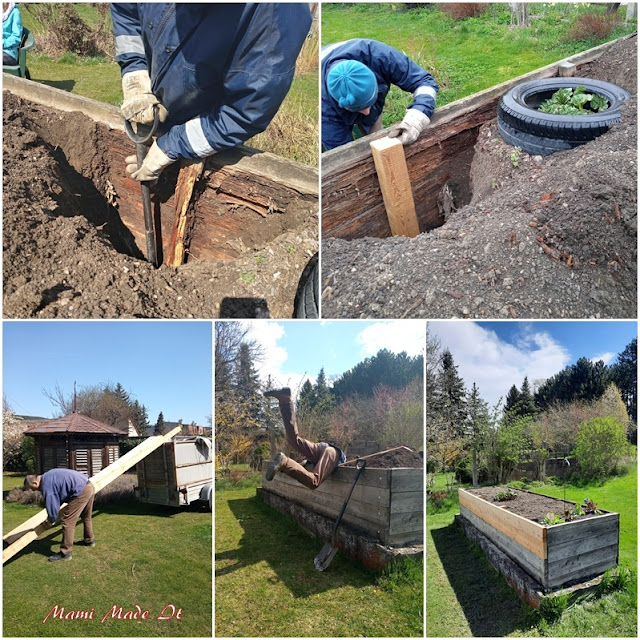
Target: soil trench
column 68, row 254
column 541, row 237
column 532, row 506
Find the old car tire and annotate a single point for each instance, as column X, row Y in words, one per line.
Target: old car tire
column 307, row 305
column 534, row 145
column 518, row 109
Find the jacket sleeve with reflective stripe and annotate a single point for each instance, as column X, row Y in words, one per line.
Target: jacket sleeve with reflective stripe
column 400, row 70
column 128, row 35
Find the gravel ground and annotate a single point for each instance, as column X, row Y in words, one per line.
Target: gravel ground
column 553, row 237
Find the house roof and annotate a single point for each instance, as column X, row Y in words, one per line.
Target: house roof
column 74, row 423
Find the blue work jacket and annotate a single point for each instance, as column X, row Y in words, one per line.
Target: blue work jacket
column 12, row 32
column 221, row 70
column 390, row 66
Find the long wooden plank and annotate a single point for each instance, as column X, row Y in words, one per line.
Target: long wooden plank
column 406, row 479
column 24, row 534
column 530, row 562
column 529, row 534
column 408, row 501
column 571, row 531
column 575, row 570
column 393, row 176
column 583, row 545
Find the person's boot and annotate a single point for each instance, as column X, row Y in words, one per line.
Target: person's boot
column 57, row 557
column 276, row 465
column 279, row 394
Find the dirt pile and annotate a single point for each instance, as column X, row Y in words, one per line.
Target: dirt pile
column 552, row 237
column 66, row 254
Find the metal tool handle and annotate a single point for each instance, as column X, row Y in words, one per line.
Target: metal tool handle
column 360, row 465
column 144, row 132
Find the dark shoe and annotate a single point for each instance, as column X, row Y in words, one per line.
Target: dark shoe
column 276, row 465
column 58, row 557
column 87, row 544
column 279, row 394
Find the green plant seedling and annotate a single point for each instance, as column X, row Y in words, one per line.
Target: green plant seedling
column 552, row 518
column 515, row 156
column 509, row 494
column 567, row 102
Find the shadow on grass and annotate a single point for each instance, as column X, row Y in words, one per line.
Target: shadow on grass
column 490, row 606
column 65, row 85
column 271, row 537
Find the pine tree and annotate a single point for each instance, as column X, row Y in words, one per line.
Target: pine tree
column 450, row 394
column 526, row 405
column 477, row 425
column 624, row 373
column 159, row 427
column 324, row 400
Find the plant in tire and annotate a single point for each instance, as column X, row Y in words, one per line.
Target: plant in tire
column 568, row 102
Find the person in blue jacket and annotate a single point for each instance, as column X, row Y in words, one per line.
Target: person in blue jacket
column 217, row 73
column 74, row 488
column 11, row 33
column 356, row 78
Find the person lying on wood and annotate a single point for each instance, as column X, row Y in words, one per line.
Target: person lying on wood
column 66, row 485
column 325, row 456
column 356, row 78
column 217, row 73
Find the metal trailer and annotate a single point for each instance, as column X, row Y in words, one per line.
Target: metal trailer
column 178, row 473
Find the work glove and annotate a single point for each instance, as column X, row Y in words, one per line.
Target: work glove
column 412, row 125
column 155, row 162
column 139, row 99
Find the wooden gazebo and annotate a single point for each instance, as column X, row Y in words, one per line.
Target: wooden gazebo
column 75, row 442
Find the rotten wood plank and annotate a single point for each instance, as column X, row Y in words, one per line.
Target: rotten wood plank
column 393, row 177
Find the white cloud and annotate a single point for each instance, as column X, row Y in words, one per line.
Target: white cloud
column 394, row 335
column 494, row 365
column 606, row 357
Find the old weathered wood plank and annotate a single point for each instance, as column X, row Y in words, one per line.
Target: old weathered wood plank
column 577, row 567
column 393, row 177
column 28, row 531
column 407, row 501
column 406, row 523
column 529, row 534
column 582, row 545
column 406, row 479
column 533, row 564
column 570, row 531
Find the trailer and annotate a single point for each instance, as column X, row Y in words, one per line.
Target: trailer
column 177, row 474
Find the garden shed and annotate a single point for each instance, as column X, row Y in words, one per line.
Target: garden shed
column 75, row 442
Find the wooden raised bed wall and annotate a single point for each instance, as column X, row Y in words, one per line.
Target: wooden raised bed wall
column 386, row 504
column 352, row 205
column 551, row 554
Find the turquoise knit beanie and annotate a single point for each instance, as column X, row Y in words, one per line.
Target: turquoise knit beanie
column 352, row 85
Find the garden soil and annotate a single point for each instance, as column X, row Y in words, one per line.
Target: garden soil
column 404, row 457
column 66, row 254
column 532, row 506
column 543, row 237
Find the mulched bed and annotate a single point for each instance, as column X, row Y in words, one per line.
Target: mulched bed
column 403, row 457
column 529, row 505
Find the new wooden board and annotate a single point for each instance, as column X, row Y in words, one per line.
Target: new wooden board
column 28, row 531
column 529, row 534
column 391, row 167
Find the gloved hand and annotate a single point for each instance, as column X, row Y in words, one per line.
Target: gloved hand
column 138, row 98
column 151, row 168
column 412, row 125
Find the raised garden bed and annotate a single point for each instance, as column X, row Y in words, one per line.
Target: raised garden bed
column 553, row 555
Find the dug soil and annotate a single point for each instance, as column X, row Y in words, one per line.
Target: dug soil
column 404, row 457
column 529, row 505
column 543, row 237
column 67, row 254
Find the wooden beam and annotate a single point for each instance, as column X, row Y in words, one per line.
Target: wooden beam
column 189, row 174
column 28, row 531
column 391, row 167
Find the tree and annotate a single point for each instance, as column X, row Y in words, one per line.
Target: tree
column 229, row 337
column 624, row 372
column 477, row 425
column 612, row 405
column 512, row 399
column 519, row 14
column 450, row 394
column 159, row 426
column 140, row 418
column 505, row 445
column 602, row 444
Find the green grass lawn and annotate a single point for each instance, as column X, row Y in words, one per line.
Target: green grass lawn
column 467, row 597
column 266, row 583
column 145, row 555
column 464, row 56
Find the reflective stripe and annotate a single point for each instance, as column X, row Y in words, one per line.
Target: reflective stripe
column 129, row 44
column 329, row 48
column 197, row 139
column 425, row 90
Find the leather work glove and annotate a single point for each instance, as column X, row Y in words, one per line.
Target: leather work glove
column 151, row 168
column 139, row 99
column 412, row 125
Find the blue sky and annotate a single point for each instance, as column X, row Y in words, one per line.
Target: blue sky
column 496, row 355
column 296, row 350
column 167, row 366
